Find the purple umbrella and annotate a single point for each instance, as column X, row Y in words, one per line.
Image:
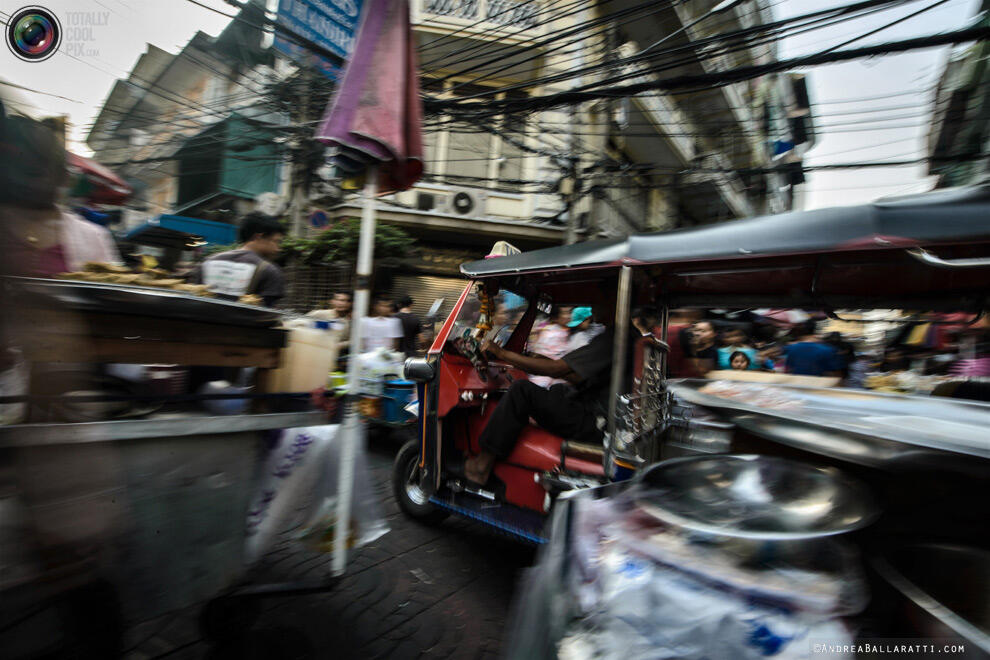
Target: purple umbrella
column 375, row 118
column 374, row 121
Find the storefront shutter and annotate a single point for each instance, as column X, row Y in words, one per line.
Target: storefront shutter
column 424, row 289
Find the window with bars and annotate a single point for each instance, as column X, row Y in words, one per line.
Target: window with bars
column 509, row 13
column 474, row 155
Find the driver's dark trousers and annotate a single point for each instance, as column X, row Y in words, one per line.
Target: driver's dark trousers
column 559, row 409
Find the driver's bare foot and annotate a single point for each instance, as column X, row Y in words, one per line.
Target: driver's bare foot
column 477, row 468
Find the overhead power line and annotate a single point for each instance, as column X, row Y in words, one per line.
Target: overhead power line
column 716, row 79
column 689, row 50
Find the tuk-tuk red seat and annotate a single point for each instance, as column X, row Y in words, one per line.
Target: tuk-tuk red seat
column 539, row 449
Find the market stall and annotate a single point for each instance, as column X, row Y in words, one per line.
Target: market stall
column 157, row 498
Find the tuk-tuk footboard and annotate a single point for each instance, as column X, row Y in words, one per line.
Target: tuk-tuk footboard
column 514, row 521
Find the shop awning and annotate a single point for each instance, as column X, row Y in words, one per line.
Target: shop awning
column 97, row 183
column 176, row 231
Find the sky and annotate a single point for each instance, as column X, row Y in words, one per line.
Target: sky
column 899, row 86
column 102, row 41
column 104, row 38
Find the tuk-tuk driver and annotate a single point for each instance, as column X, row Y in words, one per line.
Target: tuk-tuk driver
column 576, row 410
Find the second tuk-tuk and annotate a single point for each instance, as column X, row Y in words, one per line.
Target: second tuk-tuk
column 928, row 252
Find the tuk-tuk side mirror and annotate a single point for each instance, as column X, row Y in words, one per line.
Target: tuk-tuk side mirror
column 419, row 370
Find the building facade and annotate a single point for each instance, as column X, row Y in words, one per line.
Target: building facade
column 193, row 132
column 959, row 135
column 201, row 133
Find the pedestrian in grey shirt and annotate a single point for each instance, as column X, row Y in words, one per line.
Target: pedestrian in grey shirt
column 247, row 270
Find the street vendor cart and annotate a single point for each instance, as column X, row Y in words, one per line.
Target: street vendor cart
column 149, row 504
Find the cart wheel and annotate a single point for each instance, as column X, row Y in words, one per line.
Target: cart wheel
column 227, row 617
column 412, row 499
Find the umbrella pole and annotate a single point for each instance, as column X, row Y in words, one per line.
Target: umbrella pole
column 352, row 422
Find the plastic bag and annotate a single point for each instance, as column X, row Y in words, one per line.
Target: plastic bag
column 652, row 611
column 378, row 366
column 640, row 590
column 367, row 523
column 299, row 489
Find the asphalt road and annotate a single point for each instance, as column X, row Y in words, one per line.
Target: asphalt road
column 420, row 591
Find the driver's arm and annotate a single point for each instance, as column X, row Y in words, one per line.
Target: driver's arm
column 537, row 366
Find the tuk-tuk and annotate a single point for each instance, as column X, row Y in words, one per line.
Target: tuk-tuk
column 927, row 252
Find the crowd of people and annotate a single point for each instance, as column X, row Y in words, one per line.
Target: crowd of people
column 391, row 324
column 703, row 345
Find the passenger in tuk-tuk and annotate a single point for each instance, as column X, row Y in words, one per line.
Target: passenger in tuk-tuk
column 575, row 411
column 739, row 361
column 552, row 341
column 702, row 349
column 736, row 341
column 680, row 364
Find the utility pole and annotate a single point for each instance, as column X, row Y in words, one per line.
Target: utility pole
column 601, row 114
column 571, row 184
column 302, row 160
column 570, row 187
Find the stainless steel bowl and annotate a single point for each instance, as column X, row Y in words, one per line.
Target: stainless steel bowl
column 755, row 497
column 946, row 590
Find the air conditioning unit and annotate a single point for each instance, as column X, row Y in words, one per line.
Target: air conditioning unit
column 431, row 201
column 467, row 202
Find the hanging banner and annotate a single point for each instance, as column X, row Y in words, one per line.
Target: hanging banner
column 331, row 24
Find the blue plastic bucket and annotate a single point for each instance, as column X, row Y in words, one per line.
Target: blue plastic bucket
column 398, row 394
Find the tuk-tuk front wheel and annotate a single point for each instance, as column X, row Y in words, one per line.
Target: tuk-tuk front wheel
column 412, row 499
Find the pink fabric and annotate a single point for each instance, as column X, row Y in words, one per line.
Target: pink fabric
column 29, row 262
column 972, row 368
column 85, row 241
column 79, row 241
column 552, row 343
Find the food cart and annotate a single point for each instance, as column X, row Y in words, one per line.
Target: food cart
column 153, row 505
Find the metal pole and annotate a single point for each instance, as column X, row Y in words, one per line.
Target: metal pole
column 664, row 322
column 298, row 203
column 352, row 421
column 299, row 196
column 619, row 347
column 574, row 194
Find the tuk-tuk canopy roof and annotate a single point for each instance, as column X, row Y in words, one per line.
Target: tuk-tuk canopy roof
column 959, row 215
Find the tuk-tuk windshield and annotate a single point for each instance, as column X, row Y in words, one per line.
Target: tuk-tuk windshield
column 509, row 309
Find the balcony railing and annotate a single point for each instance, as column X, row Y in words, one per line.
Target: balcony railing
column 464, row 9
column 516, row 14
